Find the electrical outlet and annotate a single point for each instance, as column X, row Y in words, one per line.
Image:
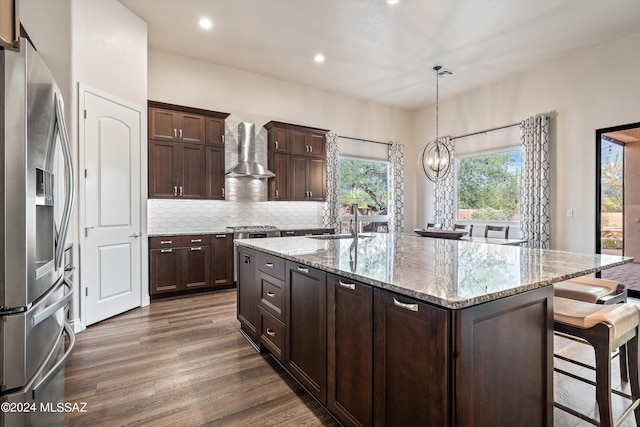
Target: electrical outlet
column 569, row 213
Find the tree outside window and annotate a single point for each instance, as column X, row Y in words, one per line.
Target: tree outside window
column 364, row 182
column 489, row 187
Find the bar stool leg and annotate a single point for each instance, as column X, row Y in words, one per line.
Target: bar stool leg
column 603, row 381
column 634, row 375
column 624, row 364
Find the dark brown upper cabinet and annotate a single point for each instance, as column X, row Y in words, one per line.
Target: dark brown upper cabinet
column 297, row 156
column 179, row 164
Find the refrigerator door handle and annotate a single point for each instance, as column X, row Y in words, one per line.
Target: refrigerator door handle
column 56, row 368
column 38, row 318
column 69, row 180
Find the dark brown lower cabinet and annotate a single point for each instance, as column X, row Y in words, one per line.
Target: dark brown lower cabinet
column 197, row 267
column 221, row 259
column 411, row 362
column 165, row 273
column 248, row 295
column 349, row 351
column 306, row 327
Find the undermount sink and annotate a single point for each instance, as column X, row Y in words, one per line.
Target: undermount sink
column 340, row 236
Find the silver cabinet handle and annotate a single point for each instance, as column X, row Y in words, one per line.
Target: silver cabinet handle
column 166, row 250
column 247, row 259
column 304, row 270
column 307, row 148
column 276, row 145
column 271, row 332
column 196, row 240
column 181, row 192
column 165, row 242
column 198, row 248
column 221, row 236
column 310, row 194
column 175, row 191
column 290, row 233
column 180, row 133
column 269, row 264
column 271, row 294
column 222, row 136
column 311, row 148
column 276, row 194
column 223, row 193
column 175, row 133
column 351, row 286
column 410, row 307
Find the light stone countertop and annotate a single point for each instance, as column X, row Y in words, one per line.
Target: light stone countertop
column 189, row 232
column 449, row 273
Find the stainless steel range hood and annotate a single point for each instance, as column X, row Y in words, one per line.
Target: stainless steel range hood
column 247, row 165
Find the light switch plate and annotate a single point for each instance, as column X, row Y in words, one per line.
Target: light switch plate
column 569, row 213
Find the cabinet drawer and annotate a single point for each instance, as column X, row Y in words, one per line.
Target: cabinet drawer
column 272, row 295
column 272, row 335
column 271, row 264
column 179, row 241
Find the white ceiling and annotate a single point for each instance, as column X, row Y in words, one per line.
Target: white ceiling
column 385, row 53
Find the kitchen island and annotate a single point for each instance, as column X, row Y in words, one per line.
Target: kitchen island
column 396, row 329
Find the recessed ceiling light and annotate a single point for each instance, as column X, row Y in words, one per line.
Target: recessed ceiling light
column 205, row 23
column 393, row 2
column 319, row 58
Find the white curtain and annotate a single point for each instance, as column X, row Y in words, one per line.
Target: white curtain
column 443, row 194
column 395, row 206
column 331, row 206
column 535, row 182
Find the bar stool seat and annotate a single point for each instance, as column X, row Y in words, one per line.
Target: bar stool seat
column 592, row 289
column 606, row 328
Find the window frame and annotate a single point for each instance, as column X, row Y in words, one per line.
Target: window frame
column 366, row 218
column 511, row 224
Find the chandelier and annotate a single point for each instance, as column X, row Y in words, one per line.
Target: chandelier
column 435, row 157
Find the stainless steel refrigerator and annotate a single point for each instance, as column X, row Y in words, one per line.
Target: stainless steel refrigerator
column 36, row 199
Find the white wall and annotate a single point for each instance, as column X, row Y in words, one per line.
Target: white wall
column 595, row 89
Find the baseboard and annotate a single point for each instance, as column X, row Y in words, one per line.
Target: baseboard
column 77, row 326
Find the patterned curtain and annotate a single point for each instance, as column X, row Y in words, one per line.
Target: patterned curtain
column 331, row 206
column 443, row 195
column 535, row 177
column 396, row 188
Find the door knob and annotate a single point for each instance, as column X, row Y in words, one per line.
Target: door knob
column 137, row 234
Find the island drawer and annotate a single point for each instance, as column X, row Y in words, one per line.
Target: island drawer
column 272, row 295
column 271, row 264
column 179, row 241
column 272, row 335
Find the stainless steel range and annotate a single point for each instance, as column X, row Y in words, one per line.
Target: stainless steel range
column 254, row 231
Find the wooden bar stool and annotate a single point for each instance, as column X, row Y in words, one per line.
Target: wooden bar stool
column 596, row 291
column 605, row 328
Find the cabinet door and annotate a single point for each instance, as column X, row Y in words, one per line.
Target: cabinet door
column 163, row 124
column 280, row 141
column 248, row 295
column 306, row 328
column 192, row 128
column 316, row 143
column 350, row 351
column 193, row 172
column 411, row 366
column 165, row 273
column 222, row 259
column 215, row 173
column 298, row 180
column 215, row 131
column 196, row 269
column 316, row 179
column 299, row 142
column 164, row 169
column 279, row 185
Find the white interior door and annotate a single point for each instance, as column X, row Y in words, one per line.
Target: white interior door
column 111, row 269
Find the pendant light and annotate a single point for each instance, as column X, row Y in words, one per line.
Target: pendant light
column 435, row 157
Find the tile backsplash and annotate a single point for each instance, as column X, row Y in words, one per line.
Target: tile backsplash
column 179, row 216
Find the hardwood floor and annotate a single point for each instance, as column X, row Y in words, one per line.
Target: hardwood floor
column 182, row 362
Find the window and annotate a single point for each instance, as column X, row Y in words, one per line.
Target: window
column 488, row 186
column 364, row 182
